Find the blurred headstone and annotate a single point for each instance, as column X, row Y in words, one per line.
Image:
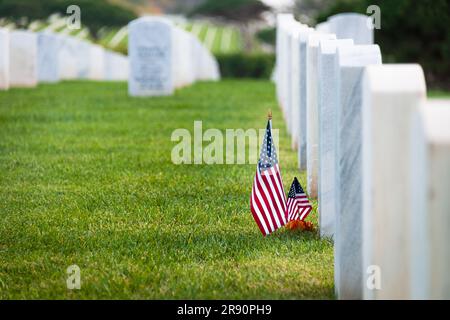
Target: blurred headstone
column 23, row 58
column 4, row 59
column 48, row 50
column 352, row 26
column 150, row 49
column 97, row 63
column 430, row 201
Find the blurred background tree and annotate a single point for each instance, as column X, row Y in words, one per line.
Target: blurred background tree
column 306, row 11
column 411, row 32
column 267, row 35
column 240, row 12
column 158, row 6
column 94, row 14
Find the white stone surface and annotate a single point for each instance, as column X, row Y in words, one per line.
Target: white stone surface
column 67, row 58
column 288, row 77
column 295, row 84
column 184, row 72
column 323, row 27
column 430, row 205
column 178, row 57
column 97, row 63
column 392, row 93
column 348, row 237
column 196, row 57
column 327, row 91
column 83, row 59
column 150, row 49
column 282, row 56
column 312, row 112
column 4, row 59
column 302, row 111
column 352, row 26
column 116, row 66
column 209, row 68
column 23, row 58
column 292, row 105
column 48, row 50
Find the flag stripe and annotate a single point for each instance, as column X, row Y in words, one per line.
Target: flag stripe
column 275, row 211
column 262, row 202
column 276, row 195
column 268, row 200
column 279, row 182
column 306, row 212
column 279, row 187
column 257, row 216
column 263, row 208
column 268, row 204
column 260, row 207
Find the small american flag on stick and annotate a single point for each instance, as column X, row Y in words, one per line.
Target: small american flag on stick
column 298, row 205
column 268, row 200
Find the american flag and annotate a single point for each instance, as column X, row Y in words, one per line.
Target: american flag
column 298, row 206
column 268, row 200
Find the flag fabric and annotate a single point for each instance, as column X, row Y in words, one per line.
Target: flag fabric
column 298, row 206
column 268, row 200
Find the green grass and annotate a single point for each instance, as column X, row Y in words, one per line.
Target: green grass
column 86, row 179
column 202, row 33
column 439, row 94
column 235, row 42
column 216, row 45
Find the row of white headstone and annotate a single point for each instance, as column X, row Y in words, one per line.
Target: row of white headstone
column 28, row 58
column 377, row 156
column 164, row 57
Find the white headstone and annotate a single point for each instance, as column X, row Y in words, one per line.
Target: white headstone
column 83, row 60
column 48, row 51
column 196, row 57
column 209, row 68
column 288, row 78
column 183, row 72
column 4, row 59
column 151, row 57
column 116, row 66
column 352, row 26
column 327, row 91
column 392, row 93
column 302, row 111
column 281, row 58
column 312, row 112
column 67, row 57
column 295, row 84
column 348, row 238
column 205, row 64
column 23, row 59
column 215, row 72
column 323, row 27
column 430, row 205
column 293, row 29
column 97, row 63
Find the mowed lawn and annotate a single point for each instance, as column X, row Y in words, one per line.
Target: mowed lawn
column 86, row 178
